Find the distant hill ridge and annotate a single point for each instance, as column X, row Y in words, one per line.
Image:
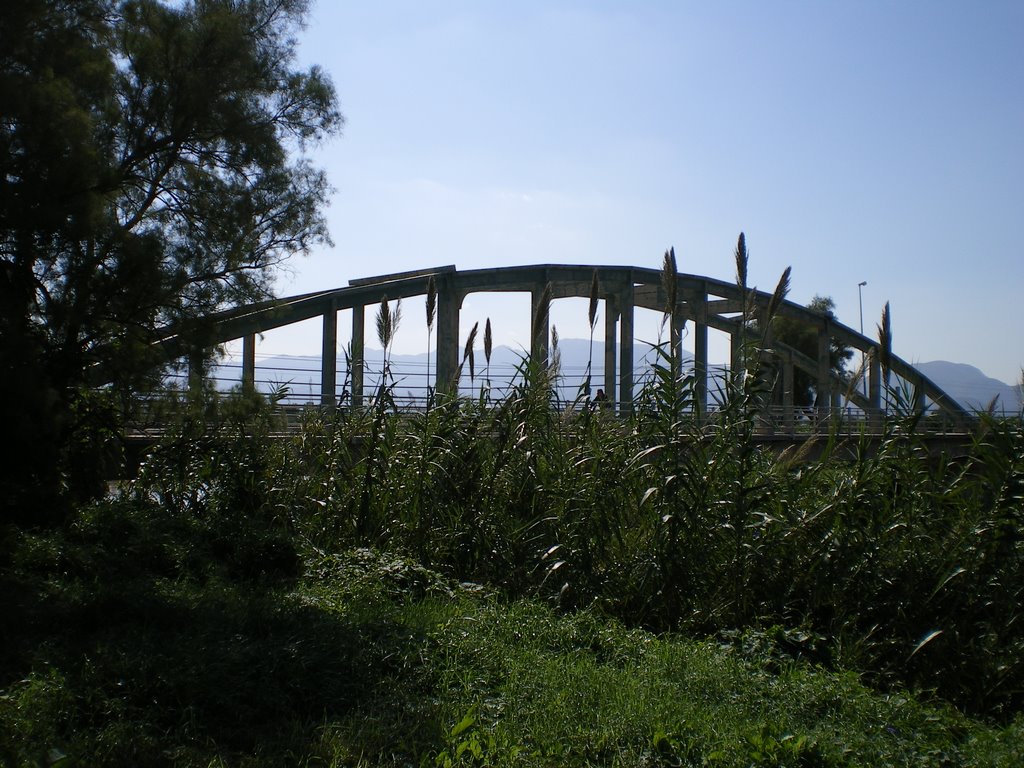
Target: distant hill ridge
column 966, row 384
column 971, row 387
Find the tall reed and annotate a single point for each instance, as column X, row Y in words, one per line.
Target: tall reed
column 878, row 556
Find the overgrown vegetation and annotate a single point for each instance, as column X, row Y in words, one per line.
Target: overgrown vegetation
column 494, row 581
column 152, row 172
column 132, row 642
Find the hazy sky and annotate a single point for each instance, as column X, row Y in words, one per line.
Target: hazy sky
column 877, row 141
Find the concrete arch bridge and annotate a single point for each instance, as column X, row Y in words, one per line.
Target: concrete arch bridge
column 702, row 302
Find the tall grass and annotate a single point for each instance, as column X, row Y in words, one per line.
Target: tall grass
column 902, row 565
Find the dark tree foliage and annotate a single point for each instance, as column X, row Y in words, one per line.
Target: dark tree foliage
column 804, row 338
column 151, row 172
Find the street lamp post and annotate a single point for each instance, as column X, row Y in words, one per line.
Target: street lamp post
column 860, row 301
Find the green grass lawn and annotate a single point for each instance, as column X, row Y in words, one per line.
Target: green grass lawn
column 125, row 643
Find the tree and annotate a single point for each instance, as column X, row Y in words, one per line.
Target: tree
column 151, row 172
column 804, row 338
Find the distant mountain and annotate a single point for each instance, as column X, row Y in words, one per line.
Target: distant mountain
column 972, row 388
column 301, row 374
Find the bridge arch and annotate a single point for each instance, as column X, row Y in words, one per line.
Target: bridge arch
column 704, row 302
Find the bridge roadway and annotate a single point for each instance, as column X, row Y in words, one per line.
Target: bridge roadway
column 806, row 442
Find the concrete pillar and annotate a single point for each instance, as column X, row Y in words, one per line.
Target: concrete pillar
column 249, row 361
column 448, row 305
column 699, row 302
column 539, row 334
column 788, row 416
column 611, row 316
column 329, row 359
column 761, row 355
column 736, row 341
column 626, row 349
column 875, row 387
column 918, row 396
column 358, row 348
column 700, row 366
column 196, row 369
column 824, row 385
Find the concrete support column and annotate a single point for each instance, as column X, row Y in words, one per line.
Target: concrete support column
column 824, row 385
column 626, row 348
column 540, row 334
column 875, row 386
column 196, row 369
column 788, row 417
column 249, row 361
column 358, row 349
column 736, row 350
column 700, row 366
column 918, row 396
column 767, row 360
column 448, row 305
column 329, row 359
column 611, row 316
column 699, row 302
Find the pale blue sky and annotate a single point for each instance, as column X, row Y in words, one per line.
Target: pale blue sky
column 877, row 141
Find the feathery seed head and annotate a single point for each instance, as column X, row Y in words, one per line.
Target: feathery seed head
column 595, row 290
column 742, row 257
column 431, row 302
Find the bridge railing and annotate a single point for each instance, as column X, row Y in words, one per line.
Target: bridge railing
column 297, row 389
column 152, row 417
